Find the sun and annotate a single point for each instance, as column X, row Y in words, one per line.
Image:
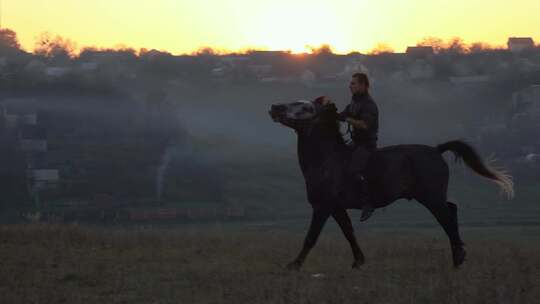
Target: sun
column 296, row 27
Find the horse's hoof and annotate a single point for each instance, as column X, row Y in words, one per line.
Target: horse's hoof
column 294, row 266
column 458, row 255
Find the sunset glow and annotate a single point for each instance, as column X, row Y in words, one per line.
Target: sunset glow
column 183, row 26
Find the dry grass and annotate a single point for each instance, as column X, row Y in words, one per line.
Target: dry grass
column 70, row 264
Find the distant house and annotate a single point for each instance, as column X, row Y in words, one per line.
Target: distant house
column 108, row 56
column 89, row 66
column 518, row 44
column 420, row 70
column 267, row 54
column 234, row 60
column 229, row 64
column 527, row 100
column 533, row 158
column 32, row 139
column 472, row 79
column 419, row 52
column 33, row 145
column 10, row 119
column 461, row 68
column 201, row 213
column 15, row 116
column 35, row 66
column 218, row 72
column 48, row 175
column 155, row 54
column 149, row 214
column 57, row 71
column 260, row 70
column 234, row 212
column 525, row 109
column 307, row 77
column 43, row 178
column 399, row 76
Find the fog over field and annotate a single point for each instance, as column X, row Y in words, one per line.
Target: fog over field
column 126, row 130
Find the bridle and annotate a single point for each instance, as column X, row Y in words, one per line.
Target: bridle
column 297, row 126
column 309, row 129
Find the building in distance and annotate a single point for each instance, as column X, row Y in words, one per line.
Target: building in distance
column 518, row 44
column 419, row 52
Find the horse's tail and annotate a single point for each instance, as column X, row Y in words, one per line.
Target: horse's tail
column 471, row 158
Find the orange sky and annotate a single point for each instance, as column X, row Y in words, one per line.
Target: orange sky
column 182, row 26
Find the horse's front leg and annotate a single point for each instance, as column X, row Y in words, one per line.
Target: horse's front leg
column 318, row 219
column 344, row 221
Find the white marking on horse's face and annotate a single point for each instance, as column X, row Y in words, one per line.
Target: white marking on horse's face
column 298, row 110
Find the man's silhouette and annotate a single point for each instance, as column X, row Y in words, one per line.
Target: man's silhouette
column 363, row 115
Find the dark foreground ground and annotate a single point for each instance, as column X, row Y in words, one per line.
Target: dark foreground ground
column 72, row 264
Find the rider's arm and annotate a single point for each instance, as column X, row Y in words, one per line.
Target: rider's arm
column 367, row 117
column 357, row 123
column 343, row 115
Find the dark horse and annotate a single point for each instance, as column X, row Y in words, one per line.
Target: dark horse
column 404, row 171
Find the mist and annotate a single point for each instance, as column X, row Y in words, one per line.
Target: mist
column 154, row 130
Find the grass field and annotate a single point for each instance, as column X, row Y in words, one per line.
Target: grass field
column 74, row 264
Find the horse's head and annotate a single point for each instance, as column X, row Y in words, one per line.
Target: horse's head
column 304, row 115
column 294, row 113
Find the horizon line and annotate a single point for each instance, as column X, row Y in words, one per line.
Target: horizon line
column 380, row 47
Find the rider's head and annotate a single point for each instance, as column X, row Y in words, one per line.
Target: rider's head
column 359, row 84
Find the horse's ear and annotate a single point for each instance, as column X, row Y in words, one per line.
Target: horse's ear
column 329, row 112
column 332, row 107
column 319, row 100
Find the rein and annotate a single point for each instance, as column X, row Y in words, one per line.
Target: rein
column 349, row 140
column 312, row 122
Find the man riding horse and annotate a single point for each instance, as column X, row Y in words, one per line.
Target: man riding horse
column 363, row 115
column 405, row 171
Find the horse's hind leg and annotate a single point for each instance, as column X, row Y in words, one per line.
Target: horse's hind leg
column 446, row 215
column 454, row 222
column 344, row 222
column 458, row 253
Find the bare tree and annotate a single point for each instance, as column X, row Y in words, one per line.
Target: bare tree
column 456, row 46
column 436, row 43
column 479, row 47
column 206, row 51
column 323, row 49
column 57, row 48
column 381, row 48
column 9, row 40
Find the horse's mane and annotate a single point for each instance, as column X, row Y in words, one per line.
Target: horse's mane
column 329, row 117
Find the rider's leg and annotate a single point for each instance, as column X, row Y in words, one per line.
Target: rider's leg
column 359, row 165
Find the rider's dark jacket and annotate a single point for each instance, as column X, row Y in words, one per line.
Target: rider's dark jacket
column 362, row 107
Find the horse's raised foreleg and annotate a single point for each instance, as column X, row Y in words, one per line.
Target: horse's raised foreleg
column 318, row 219
column 344, row 222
